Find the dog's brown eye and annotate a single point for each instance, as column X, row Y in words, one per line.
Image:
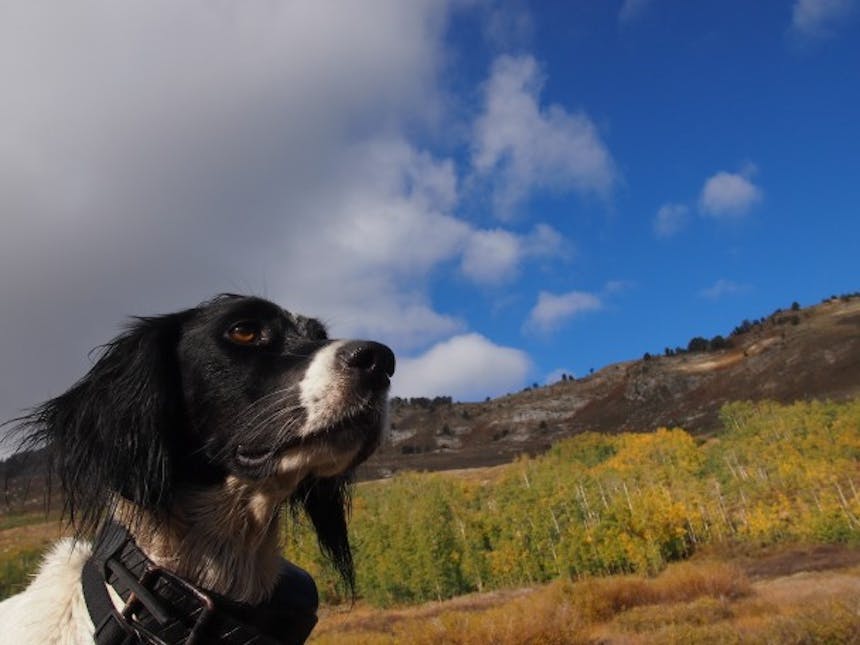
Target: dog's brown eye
column 244, row 333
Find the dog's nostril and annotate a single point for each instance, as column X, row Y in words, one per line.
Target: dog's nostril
column 373, row 358
column 363, row 358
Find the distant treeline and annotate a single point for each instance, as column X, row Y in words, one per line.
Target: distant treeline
column 777, row 318
column 697, row 344
column 602, row 504
column 421, row 402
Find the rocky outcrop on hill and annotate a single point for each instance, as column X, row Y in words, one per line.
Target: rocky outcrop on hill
column 793, row 355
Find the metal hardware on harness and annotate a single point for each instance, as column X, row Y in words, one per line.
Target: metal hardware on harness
column 139, row 592
column 141, row 596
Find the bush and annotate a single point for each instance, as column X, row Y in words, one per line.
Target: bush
column 717, row 343
column 697, row 344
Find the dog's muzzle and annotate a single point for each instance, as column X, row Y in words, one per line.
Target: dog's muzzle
column 342, row 407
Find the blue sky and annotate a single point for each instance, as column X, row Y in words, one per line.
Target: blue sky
column 681, row 92
column 499, row 190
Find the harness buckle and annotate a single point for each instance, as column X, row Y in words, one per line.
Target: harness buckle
column 142, row 595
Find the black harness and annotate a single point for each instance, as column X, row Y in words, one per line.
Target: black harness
column 163, row 609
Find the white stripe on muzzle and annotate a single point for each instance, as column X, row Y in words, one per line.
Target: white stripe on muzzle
column 320, row 392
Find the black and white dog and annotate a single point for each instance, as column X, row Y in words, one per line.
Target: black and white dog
column 179, row 449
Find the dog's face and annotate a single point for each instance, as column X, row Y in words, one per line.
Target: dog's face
column 267, row 394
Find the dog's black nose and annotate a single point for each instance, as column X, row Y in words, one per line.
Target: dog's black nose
column 373, row 359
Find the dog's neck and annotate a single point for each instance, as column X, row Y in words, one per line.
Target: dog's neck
column 224, row 538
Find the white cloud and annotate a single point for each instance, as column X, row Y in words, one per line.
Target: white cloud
column 670, row 219
column 729, row 194
column 467, row 367
column 632, row 9
column 494, row 256
column 723, row 288
column 521, row 148
column 820, row 18
column 544, row 240
column 618, row 286
column 508, row 25
column 362, row 260
column 552, row 310
column 391, row 209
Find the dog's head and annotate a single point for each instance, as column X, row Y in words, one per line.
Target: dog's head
column 236, row 387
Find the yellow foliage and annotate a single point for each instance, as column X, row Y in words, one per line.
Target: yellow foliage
column 601, row 504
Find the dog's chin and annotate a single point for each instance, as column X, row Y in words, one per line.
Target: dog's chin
column 323, row 452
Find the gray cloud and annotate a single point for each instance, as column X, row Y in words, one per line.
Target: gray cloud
column 820, row 18
column 670, row 219
column 153, row 154
column 632, row 9
column 726, row 194
column 722, row 288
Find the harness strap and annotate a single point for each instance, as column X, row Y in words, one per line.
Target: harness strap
column 163, row 609
column 111, row 630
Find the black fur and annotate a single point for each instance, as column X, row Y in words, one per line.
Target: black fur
column 318, row 497
column 118, row 428
column 169, row 403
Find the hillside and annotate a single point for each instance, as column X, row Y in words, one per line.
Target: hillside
column 810, row 353
column 599, row 504
column 802, row 354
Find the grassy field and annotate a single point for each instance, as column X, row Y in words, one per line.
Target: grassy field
column 786, row 595
column 793, row 596
column 23, row 540
column 751, row 535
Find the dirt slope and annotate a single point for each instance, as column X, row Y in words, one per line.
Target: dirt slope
column 788, row 356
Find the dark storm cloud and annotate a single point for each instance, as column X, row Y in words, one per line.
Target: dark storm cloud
column 156, row 153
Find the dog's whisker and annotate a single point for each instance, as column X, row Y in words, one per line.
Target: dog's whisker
column 260, row 409
column 271, row 420
column 284, row 431
column 279, row 392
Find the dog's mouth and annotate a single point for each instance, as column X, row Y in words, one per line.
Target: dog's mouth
column 359, row 433
column 249, row 457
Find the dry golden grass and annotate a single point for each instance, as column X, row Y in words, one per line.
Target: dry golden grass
column 807, row 607
column 562, row 612
column 30, row 536
column 540, row 616
column 691, row 602
column 599, row 599
column 21, row 548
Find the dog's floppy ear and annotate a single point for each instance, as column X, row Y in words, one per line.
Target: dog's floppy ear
column 114, row 429
column 326, row 502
